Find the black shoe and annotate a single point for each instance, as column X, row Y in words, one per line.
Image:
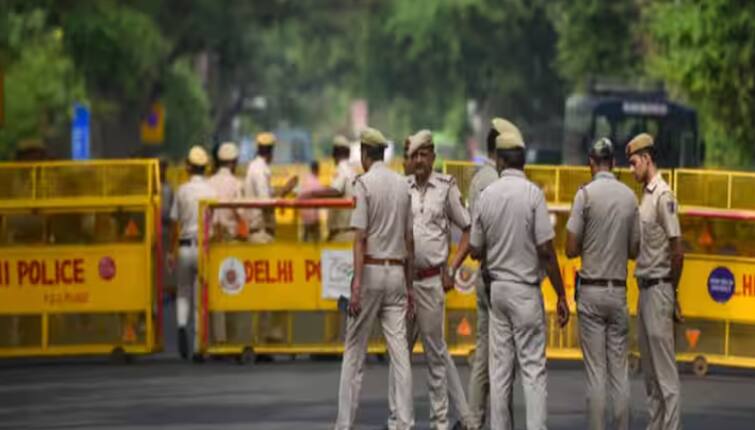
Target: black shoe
column 459, row 426
column 183, row 343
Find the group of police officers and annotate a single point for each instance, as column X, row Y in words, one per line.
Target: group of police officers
column 401, row 232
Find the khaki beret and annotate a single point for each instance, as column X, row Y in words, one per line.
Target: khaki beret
column 638, row 143
column 372, row 137
column 266, row 139
column 197, row 156
column 502, row 126
column 341, row 142
column 421, row 139
column 228, row 151
column 509, row 140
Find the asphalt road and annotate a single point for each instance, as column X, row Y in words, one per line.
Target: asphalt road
column 164, row 393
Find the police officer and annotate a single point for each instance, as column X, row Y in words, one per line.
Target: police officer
column 228, row 187
column 512, row 228
column 659, row 267
column 381, row 288
column 257, row 186
column 228, row 222
column 604, row 230
column 339, row 229
column 479, row 385
column 436, row 204
column 185, row 217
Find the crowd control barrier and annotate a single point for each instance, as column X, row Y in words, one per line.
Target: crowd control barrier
column 276, row 298
column 717, row 289
column 80, row 259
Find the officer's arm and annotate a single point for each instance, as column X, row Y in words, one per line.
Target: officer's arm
column 460, row 217
column 548, row 258
column 677, row 260
column 575, row 227
column 360, row 244
column 409, row 242
column 669, row 221
column 634, row 236
column 326, row 192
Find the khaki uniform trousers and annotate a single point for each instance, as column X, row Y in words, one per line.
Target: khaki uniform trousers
column 444, row 383
column 655, row 325
column 186, row 290
column 383, row 298
column 603, row 335
column 517, row 334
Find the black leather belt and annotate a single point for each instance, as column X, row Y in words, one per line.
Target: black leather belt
column 651, row 282
column 187, row 242
column 604, row 282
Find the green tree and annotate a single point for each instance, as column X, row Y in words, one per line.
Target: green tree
column 597, row 38
column 41, row 83
column 706, row 51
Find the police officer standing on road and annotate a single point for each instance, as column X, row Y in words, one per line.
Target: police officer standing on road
column 436, row 204
column 659, row 267
column 511, row 227
column 257, row 186
column 339, row 229
column 381, row 288
column 604, row 230
column 185, row 217
column 479, row 383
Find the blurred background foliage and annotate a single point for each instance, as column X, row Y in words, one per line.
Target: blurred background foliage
column 225, row 69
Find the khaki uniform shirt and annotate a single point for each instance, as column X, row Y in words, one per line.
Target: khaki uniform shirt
column 485, row 175
column 227, row 187
column 384, row 210
column 343, row 182
column 435, row 207
column 606, row 223
column 257, row 186
column 510, row 221
column 660, row 223
column 185, row 208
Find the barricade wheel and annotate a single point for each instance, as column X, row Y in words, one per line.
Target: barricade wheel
column 700, row 366
column 246, row 357
column 471, row 357
column 198, row 358
column 635, row 365
column 118, row 356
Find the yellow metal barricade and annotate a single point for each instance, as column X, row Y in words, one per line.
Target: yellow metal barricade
column 717, row 289
column 79, row 258
column 269, row 298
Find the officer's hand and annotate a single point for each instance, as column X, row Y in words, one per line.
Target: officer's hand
column 355, row 305
column 448, row 281
column 678, row 317
column 171, row 261
column 563, row 312
column 410, row 307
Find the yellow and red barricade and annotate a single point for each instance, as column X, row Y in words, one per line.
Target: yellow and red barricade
column 270, row 297
column 80, row 258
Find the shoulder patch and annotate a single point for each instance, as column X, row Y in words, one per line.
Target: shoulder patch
column 671, row 206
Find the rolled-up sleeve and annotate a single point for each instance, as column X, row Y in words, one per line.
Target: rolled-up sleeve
column 359, row 214
column 456, row 210
column 576, row 223
column 543, row 229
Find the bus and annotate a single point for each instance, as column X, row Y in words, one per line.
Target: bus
column 620, row 112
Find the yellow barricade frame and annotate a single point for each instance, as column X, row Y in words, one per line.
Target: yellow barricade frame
column 75, row 296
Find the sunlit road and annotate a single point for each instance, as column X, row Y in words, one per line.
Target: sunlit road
column 163, row 393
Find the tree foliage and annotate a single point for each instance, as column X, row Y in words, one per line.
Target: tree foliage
column 706, row 50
